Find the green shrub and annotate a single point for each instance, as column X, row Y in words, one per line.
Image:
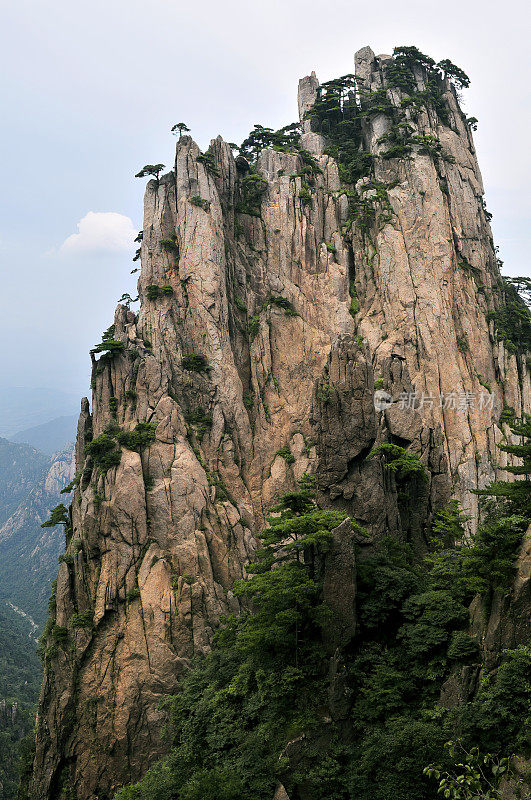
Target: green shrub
column 491, row 561
column 142, row 436
column 448, row 526
column 508, row 414
column 209, row 162
column 324, row 391
column 462, row 647
column 104, row 452
column 354, row 302
column 239, row 303
column 512, row 318
column 133, row 594
column 403, row 463
column 253, row 326
column 286, row 454
column 252, row 187
column 284, row 304
column 84, row 619
column 499, row 717
column 59, row 634
column 201, row 422
column 152, row 291
column 200, row 203
column 195, row 362
column 462, row 344
column 171, row 244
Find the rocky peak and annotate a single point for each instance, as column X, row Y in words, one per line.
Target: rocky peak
column 277, row 296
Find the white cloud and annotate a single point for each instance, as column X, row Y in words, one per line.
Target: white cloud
column 101, row 232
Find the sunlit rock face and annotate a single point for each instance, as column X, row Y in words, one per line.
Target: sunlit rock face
column 257, row 333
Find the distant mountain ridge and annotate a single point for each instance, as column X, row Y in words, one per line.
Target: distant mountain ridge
column 21, row 467
column 50, row 437
column 22, row 408
column 28, row 553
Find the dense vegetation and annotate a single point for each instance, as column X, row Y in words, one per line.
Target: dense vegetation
column 267, row 680
column 20, row 678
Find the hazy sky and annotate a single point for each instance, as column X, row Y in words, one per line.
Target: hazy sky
column 90, row 91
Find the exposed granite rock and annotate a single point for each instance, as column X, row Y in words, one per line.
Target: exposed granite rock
column 250, row 345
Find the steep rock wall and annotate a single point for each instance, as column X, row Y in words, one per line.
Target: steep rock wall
column 251, row 344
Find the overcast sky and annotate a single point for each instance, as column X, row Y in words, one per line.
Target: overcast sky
column 90, row 91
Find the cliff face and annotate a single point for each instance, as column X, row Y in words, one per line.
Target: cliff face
column 272, row 309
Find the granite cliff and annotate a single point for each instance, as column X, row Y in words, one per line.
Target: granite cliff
column 277, row 296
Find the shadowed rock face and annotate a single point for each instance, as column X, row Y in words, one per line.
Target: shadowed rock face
column 158, row 541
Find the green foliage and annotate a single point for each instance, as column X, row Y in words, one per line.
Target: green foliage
column 152, row 170
column 335, row 115
column 284, row 304
column 110, row 347
column 267, row 681
column 285, row 139
column 153, row 291
column 126, row 299
column 179, row 129
column 512, row 319
column 20, row 679
column 498, row 719
column 200, row 202
column 72, row 485
column 456, row 75
column 84, row 619
column 286, row 454
column 171, row 245
column 462, row 344
column 140, row 437
column 253, row 326
column 59, row 634
column 104, row 452
column 403, row 463
column 516, row 494
column 324, row 391
column 354, row 302
column 252, row 187
column 472, row 775
column 209, row 162
column 491, row 561
column 463, row 647
column 58, row 516
column 133, row 594
column 195, row 362
column 448, row 526
column 429, row 620
column 201, row 422
column 508, row 414
column 240, row 305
